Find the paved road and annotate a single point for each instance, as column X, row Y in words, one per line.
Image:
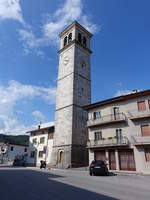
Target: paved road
column 28, row 184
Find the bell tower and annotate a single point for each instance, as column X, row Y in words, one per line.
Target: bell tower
column 73, row 92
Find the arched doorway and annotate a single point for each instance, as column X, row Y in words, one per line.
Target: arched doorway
column 61, row 156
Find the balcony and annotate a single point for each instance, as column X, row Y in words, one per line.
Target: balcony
column 107, row 119
column 140, row 140
column 109, row 142
column 135, row 114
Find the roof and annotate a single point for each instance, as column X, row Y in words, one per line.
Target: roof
column 47, row 125
column 118, row 99
column 20, row 145
column 74, row 23
column 42, row 126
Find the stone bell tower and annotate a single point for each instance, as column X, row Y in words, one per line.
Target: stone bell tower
column 73, row 92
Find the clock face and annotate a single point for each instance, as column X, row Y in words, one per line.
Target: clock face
column 66, row 60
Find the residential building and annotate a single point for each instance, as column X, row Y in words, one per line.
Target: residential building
column 8, row 152
column 40, row 144
column 119, row 132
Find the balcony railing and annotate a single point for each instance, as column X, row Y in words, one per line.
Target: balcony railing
column 135, row 114
column 109, row 142
column 120, row 117
column 140, row 140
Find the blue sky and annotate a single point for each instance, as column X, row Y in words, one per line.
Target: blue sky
column 29, row 61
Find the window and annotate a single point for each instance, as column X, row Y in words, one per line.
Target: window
column 145, row 129
column 40, row 154
column 116, row 113
column 34, row 141
column 70, row 38
column 65, row 41
column 84, row 41
column 25, row 149
column 97, row 115
column 119, row 135
column 11, row 148
column 42, row 140
column 79, row 37
column 147, row 155
column 97, row 135
column 141, row 106
column 32, row 155
column 149, row 103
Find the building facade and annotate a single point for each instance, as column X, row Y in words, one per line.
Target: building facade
column 73, row 92
column 119, row 132
column 40, row 144
column 8, row 152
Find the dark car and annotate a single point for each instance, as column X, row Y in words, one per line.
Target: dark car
column 98, row 167
column 20, row 161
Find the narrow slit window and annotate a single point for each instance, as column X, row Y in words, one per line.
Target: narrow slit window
column 79, row 37
column 84, row 41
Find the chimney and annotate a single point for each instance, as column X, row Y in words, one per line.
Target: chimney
column 134, row 91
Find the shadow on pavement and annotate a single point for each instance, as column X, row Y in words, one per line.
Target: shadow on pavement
column 35, row 185
column 112, row 174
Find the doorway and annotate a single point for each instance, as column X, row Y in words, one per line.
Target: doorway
column 112, row 160
column 61, row 154
column 116, row 113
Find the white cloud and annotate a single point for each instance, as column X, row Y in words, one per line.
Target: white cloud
column 10, row 9
column 16, row 92
column 39, row 117
column 66, row 13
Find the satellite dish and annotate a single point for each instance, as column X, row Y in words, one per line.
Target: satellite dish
column 3, row 148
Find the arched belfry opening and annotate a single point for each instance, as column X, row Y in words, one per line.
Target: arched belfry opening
column 65, row 41
column 70, row 38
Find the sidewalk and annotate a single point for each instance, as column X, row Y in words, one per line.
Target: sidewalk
column 85, row 170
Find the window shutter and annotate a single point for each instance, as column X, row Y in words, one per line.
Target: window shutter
column 147, row 155
column 141, row 106
column 145, row 130
column 149, row 103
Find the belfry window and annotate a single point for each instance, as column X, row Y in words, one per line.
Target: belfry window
column 70, row 38
column 79, row 37
column 84, row 41
column 65, row 41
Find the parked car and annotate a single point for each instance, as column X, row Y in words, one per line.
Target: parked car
column 20, row 161
column 98, row 167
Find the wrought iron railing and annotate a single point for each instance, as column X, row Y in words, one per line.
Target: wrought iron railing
column 107, row 119
column 114, row 141
column 138, row 114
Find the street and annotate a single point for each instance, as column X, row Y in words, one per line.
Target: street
column 33, row 184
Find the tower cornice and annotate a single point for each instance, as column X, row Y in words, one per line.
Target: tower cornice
column 75, row 23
